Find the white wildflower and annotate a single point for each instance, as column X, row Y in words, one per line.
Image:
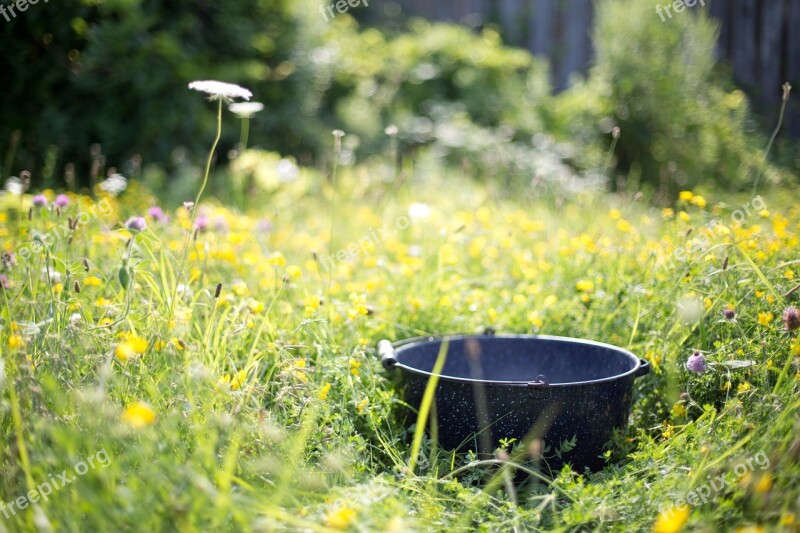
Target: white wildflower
column 14, row 186
column 245, row 109
column 419, row 211
column 287, row 170
column 690, row 309
column 219, row 89
column 114, row 184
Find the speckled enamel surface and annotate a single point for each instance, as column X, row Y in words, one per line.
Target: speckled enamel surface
column 586, row 393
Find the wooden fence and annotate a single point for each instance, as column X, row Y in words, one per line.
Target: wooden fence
column 760, row 39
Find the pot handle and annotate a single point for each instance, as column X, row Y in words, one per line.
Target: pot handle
column 387, row 355
column 644, row 368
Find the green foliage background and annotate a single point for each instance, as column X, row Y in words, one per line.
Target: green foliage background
column 114, row 72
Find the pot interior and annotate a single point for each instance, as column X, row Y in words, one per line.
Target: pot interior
column 520, row 359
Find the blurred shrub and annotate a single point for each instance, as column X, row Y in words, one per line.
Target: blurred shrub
column 408, row 79
column 114, row 72
column 681, row 123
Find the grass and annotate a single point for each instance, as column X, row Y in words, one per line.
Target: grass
column 262, row 405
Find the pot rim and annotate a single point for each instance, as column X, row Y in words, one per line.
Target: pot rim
column 641, row 367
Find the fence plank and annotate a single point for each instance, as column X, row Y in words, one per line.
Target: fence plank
column 792, row 65
column 770, row 52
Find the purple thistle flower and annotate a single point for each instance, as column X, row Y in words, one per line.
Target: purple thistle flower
column 729, row 313
column 40, row 200
column 3, row 282
column 157, row 214
column 791, row 318
column 696, row 362
column 136, row 224
column 264, row 226
column 220, row 224
column 201, row 223
column 62, row 200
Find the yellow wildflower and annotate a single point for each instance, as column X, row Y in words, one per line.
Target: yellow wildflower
column 255, row 306
column 179, row 344
column 294, row 271
column 239, row 288
column 323, row 392
column 138, row 415
column 744, row 387
column 764, row 484
column 685, row 196
column 277, row 259
column 92, row 281
column 238, row 380
column 699, row 201
column 15, row 341
column 340, row 518
column 765, row 319
column 133, row 346
column 683, row 215
column 671, row 520
column 362, row 405
column 667, row 212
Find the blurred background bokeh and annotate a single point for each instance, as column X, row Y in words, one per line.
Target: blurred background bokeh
column 517, row 90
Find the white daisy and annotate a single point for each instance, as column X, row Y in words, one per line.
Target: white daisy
column 219, row 89
column 114, row 184
column 246, row 109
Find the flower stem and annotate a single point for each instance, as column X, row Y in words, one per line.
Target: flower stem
column 195, row 210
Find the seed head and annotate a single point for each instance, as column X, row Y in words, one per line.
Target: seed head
column 791, row 318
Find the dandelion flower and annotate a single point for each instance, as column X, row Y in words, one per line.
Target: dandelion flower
column 245, row 109
column 791, row 318
column 220, row 90
column 696, row 362
column 138, row 415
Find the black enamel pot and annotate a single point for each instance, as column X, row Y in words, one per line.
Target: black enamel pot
column 560, row 397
